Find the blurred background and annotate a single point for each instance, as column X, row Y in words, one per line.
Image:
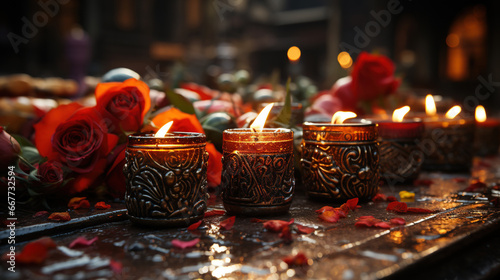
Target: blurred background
column 442, row 47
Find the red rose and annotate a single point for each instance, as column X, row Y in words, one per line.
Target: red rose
column 115, row 179
column 50, row 172
column 9, row 149
column 214, row 169
column 342, row 89
column 123, row 105
column 78, row 138
column 373, row 76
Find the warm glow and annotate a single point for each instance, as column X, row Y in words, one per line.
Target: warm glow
column 293, row 53
column 430, row 105
column 340, row 116
column 453, row 112
column 260, row 121
column 344, row 60
column 452, row 40
column 480, row 114
column 164, row 129
column 400, row 113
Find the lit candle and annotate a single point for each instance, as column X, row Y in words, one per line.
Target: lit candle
column 166, row 178
column 447, row 140
column 400, row 157
column 340, row 161
column 257, row 173
column 487, row 138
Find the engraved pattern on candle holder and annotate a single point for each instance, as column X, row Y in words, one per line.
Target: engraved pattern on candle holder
column 340, row 172
column 166, row 184
column 257, row 180
column 398, row 162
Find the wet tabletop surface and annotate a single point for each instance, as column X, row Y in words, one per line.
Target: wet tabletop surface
column 460, row 240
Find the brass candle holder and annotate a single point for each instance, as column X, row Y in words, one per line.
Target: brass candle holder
column 340, row 161
column 257, row 174
column 166, row 178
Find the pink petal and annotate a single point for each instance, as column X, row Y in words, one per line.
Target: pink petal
column 304, row 230
column 81, row 241
column 398, row 221
column 184, row 244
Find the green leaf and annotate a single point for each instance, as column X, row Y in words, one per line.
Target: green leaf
column 180, row 102
column 22, row 141
column 286, row 113
column 30, row 154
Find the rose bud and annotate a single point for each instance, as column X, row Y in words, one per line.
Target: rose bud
column 9, row 149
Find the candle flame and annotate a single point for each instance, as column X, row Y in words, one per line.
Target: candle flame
column 430, row 105
column 260, row 121
column 399, row 114
column 453, row 112
column 293, row 53
column 340, row 116
column 480, row 114
column 164, row 129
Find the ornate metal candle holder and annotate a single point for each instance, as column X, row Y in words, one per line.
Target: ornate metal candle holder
column 400, row 156
column 340, row 161
column 257, row 174
column 448, row 145
column 166, row 179
column 487, row 138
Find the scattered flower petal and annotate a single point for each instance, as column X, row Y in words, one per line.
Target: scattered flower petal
column 476, row 186
column 299, row 259
column 60, row 216
column 78, row 203
column 40, row 214
column 406, row 195
column 277, row 225
column 116, row 266
column 47, row 242
column 32, row 253
column 185, row 244
column 383, row 225
column 101, row 205
column 304, row 230
column 215, row 212
column 391, row 198
column 423, row 182
column 286, row 234
column 352, row 203
column 398, row 221
column 329, row 216
column 379, row 197
column 255, row 220
column 397, row 206
column 81, row 241
column 195, row 225
column 324, row 208
column 366, row 221
column 228, row 223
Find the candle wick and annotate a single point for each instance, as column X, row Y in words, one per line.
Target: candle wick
column 253, row 129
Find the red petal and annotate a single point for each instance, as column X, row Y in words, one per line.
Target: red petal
column 47, row 242
column 352, row 203
column 418, row 210
column 185, row 244
column 214, row 168
column 101, row 205
column 277, row 225
column 116, row 266
column 60, row 216
column 298, row 260
column 391, row 198
column 397, row 206
column 304, row 230
column 228, row 223
column 422, row 182
column 340, row 212
column 329, row 216
column 214, row 213
column 78, row 203
column 195, row 225
column 477, row 186
column 379, row 197
column 324, row 208
column 255, row 220
column 383, row 225
column 365, row 218
column 286, row 234
column 398, row 221
column 32, row 253
column 40, row 213
column 81, row 241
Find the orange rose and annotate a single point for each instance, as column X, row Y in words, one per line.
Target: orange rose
column 182, row 122
column 123, row 105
